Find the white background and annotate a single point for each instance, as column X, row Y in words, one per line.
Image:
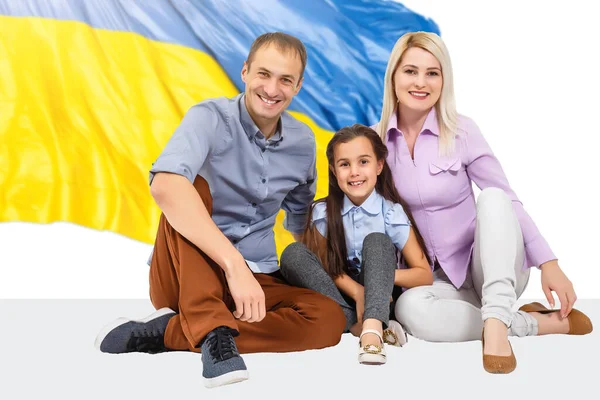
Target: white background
column 526, row 71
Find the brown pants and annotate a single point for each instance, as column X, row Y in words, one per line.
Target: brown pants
column 184, row 279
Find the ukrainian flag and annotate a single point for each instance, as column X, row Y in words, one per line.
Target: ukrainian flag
column 91, row 90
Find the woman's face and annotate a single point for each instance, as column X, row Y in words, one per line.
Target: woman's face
column 418, row 80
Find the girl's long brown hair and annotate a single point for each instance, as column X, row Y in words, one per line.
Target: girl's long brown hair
column 335, row 257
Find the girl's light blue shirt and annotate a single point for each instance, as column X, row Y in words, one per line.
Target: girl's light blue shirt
column 375, row 214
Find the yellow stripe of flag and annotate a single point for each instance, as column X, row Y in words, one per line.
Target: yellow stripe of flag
column 83, row 114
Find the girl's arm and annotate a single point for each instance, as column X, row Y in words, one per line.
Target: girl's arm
column 355, row 290
column 418, row 272
column 350, row 287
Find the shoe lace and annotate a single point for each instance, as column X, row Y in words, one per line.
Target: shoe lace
column 146, row 341
column 221, row 344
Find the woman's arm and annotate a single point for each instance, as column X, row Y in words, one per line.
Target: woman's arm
column 485, row 170
column 418, row 272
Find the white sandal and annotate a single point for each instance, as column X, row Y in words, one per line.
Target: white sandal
column 371, row 354
column 395, row 334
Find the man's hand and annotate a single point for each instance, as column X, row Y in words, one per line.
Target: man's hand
column 247, row 294
column 554, row 279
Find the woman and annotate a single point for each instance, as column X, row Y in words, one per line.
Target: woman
column 481, row 251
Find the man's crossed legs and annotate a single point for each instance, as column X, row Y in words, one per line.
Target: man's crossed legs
column 195, row 312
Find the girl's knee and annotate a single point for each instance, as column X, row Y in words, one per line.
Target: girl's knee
column 375, row 244
column 293, row 253
column 377, row 239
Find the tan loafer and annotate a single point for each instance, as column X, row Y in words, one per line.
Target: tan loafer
column 579, row 323
column 498, row 364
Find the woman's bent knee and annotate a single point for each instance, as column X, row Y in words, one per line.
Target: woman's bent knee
column 492, row 197
column 413, row 312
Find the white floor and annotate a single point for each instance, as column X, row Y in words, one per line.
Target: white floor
column 48, row 352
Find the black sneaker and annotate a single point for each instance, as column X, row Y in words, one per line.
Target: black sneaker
column 222, row 361
column 126, row 335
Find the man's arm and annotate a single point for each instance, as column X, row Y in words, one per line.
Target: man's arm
column 171, row 186
column 187, row 214
column 297, row 201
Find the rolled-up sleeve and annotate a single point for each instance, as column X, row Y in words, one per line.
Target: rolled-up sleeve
column 319, row 218
column 485, row 170
column 298, row 200
column 190, row 144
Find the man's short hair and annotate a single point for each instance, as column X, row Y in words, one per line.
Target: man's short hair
column 283, row 42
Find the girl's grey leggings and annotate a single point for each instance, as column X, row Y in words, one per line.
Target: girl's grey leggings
column 301, row 267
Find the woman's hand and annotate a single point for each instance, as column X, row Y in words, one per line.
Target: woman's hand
column 555, row 280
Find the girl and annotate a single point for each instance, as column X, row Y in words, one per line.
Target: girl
column 348, row 250
column 481, row 249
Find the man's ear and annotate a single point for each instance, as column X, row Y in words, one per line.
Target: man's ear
column 299, row 86
column 245, row 69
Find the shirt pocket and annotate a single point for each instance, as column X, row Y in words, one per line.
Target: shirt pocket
column 451, row 165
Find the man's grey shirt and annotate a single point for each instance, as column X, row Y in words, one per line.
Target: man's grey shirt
column 250, row 178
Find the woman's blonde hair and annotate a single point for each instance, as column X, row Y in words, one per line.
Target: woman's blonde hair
column 445, row 107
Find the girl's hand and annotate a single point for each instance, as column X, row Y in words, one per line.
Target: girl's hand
column 554, row 279
column 359, row 298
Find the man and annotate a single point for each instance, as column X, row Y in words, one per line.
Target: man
column 228, row 169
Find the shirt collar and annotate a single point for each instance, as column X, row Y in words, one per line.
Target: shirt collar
column 430, row 124
column 372, row 205
column 250, row 127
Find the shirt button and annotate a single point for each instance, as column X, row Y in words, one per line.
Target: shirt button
column 265, row 149
column 264, row 180
column 356, row 260
column 253, row 204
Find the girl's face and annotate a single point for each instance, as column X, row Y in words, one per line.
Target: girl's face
column 356, row 168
